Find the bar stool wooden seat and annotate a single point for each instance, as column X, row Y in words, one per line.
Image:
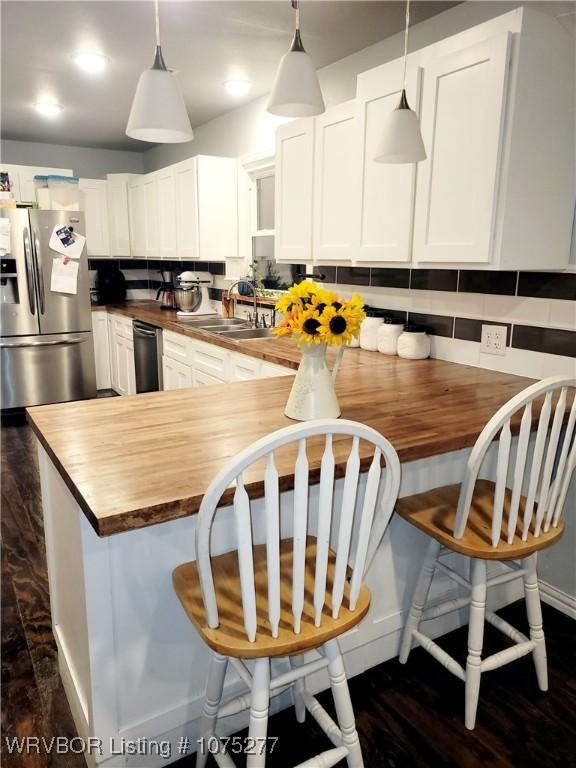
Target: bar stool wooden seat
column 286, row 597
column 509, row 519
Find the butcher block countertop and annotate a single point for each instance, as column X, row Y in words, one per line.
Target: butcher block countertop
column 278, row 351
column 142, row 460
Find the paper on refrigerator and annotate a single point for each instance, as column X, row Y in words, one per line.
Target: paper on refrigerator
column 67, row 242
column 64, row 276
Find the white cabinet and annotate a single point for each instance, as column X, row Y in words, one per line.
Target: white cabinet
column 462, row 119
column 294, row 189
column 94, row 203
column 118, row 217
column 383, row 202
column 101, row 350
column 166, row 212
column 217, row 187
column 137, row 217
column 185, row 180
column 175, row 374
column 244, row 367
column 123, row 372
column 335, row 169
column 151, row 218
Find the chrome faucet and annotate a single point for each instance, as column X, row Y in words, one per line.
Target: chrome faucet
column 256, row 319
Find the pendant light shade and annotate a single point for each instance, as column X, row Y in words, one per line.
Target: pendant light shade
column 296, row 91
column 158, row 111
column 401, row 140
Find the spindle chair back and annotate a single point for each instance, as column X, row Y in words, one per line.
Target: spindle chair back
column 372, row 513
column 547, row 489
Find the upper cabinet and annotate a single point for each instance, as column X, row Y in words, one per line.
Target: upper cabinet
column 94, row 203
column 335, row 166
column 462, row 119
column 186, row 211
column 383, row 200
column 293, row 195
column 497, row 189
column 118, row 218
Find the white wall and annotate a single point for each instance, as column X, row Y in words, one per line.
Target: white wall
column 87, row 162
column 250, row 129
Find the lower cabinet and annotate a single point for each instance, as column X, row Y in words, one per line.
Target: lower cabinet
column 101, row 350
column 175, row 374
column 186, row 362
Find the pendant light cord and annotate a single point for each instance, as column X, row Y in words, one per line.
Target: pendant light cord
column 157, row 14
column 406, row 41
column 296, row 6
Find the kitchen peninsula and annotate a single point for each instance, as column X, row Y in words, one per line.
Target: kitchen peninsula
column 120, row 502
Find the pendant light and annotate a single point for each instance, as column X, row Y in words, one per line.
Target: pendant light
column 296, row 91
column 401, row 140
column 158, row 111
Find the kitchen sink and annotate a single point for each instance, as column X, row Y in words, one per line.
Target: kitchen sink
column 209, row 323
column 246, row 333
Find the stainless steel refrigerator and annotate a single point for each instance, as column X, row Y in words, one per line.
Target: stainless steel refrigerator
column 46, row 347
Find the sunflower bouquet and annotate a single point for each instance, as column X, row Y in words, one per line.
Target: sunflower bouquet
column 313, row 315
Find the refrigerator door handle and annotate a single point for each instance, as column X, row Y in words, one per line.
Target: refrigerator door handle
column 50, row 343
column 39, row 272
column 29, row 271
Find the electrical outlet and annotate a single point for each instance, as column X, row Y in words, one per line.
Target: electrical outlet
column 493, row 339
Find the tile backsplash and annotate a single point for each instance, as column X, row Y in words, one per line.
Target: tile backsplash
column 537, row 308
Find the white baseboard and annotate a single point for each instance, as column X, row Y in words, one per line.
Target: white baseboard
column 558, row 599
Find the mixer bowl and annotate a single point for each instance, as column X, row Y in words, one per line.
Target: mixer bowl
column 188, row 299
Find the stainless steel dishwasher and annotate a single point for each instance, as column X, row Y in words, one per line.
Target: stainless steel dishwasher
column 147, row 356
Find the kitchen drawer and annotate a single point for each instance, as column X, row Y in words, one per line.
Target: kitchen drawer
column 178, row 347
column 210, row 359
column 202, row 379
column 270, row 369
column 243, row 367
column 122, row 326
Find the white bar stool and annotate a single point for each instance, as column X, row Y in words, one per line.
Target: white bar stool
column 297, row 595
column 508, row 520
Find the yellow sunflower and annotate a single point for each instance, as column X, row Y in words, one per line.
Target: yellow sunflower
column 338, row 325
column 306, row 327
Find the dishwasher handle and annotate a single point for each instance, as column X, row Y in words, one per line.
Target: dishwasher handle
column 145, row 331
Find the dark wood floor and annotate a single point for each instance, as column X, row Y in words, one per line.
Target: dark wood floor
column 407, row 716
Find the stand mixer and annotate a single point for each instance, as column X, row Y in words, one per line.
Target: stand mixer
column 191, row 294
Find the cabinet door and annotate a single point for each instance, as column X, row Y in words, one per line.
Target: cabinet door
column 384, row 201
column 294, row 185
column 151, row 218
column 166, row 192
column 217, row 208
column 244, row 367
column 113, row 352
column 130, row 367
column 203, row 379
column 185, row 180
column 335, row 170
column 118, row 218
column 101, row 350
column 94, row 203
column 462, row 124
column 137, row 218
column 119, row 350
column 176, row 375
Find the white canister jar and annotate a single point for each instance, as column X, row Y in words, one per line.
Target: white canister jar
column 369, row 332
column 414, row 343
column 388, row 335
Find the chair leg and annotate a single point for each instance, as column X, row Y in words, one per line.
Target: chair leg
column 419, row 599
column 534, row 611
column 343, row 704
column 258, row 729
column 298, row 688
column 475, row 640
column 214, row 687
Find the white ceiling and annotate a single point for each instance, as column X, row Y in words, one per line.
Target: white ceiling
column 207, row 41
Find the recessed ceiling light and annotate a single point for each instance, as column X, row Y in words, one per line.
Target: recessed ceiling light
column 93, row 63
column 48, row 108
column 237, row 87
